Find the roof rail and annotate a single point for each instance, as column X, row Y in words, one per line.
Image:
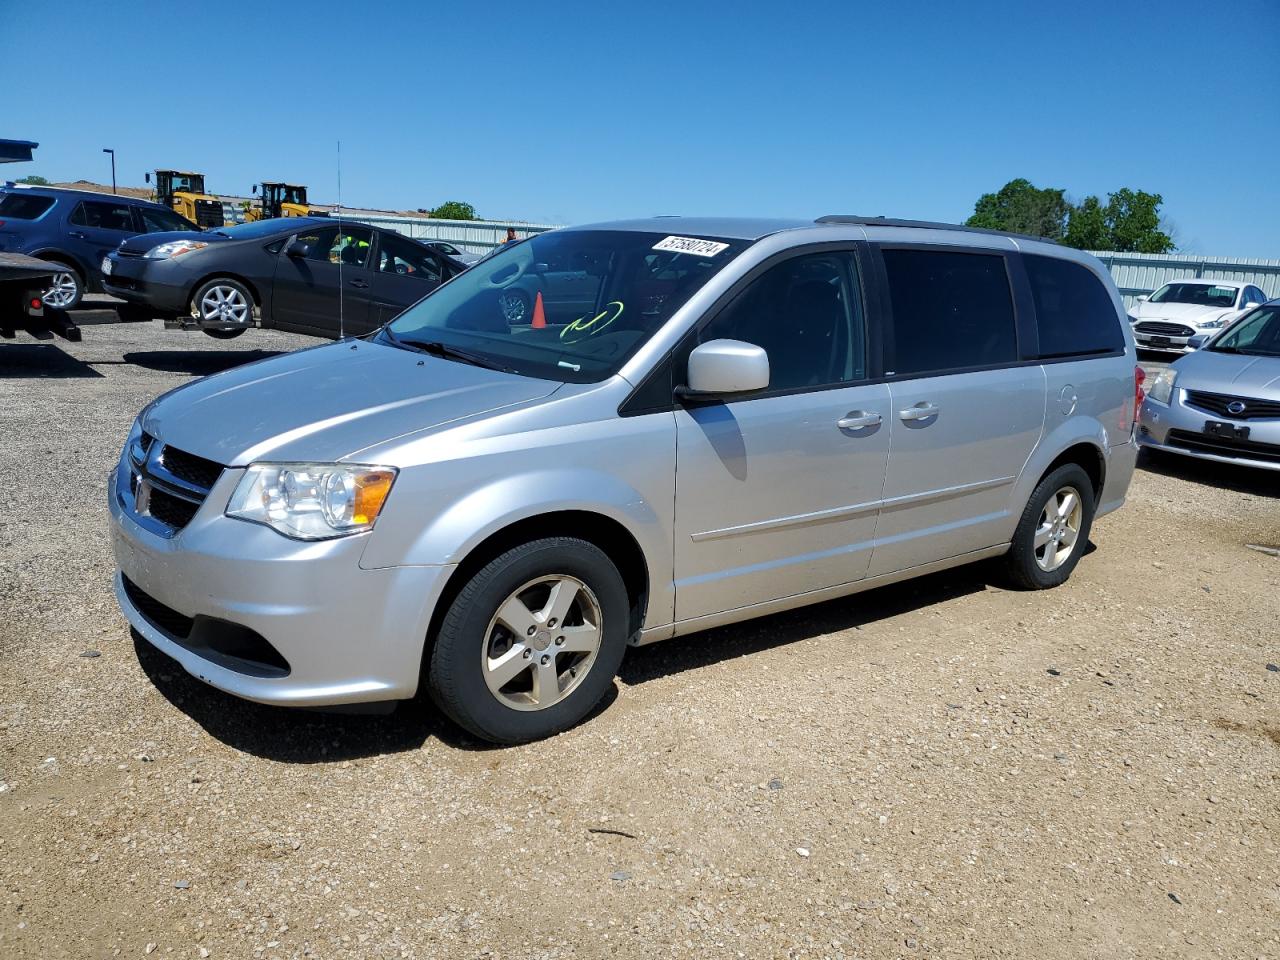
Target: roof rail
column 924, row 225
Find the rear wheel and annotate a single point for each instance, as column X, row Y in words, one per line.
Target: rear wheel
column 532, row 643
column 1053, row 531
column 66, row 290
column 224, row 307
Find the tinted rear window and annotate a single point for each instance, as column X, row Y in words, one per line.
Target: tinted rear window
column 950, row 311
column 1074, row 312
column 23, row 206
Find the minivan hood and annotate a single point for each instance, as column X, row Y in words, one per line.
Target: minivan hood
column 326, row 403
column 1192, row 313
column 1233, row 373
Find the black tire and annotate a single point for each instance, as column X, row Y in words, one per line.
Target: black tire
column 72, row 275
column 456, row 676
column 1022, row 564
column 243, row 302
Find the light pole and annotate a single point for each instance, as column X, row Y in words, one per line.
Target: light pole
column 113, row 167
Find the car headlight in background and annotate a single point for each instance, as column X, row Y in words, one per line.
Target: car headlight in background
column 312, row 501
column 1162, row 387
column 174, row 248
column 1213, row 324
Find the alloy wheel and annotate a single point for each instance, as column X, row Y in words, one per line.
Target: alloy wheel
column 513, row 307
column 225, row 304
column 1059, row 529
column 63, row 291
column 541, row 642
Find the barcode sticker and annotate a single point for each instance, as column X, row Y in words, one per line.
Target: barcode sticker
column 699, row 248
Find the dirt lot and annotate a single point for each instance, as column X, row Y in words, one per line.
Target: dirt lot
column 943, row 768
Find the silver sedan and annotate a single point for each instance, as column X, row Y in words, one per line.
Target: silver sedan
column 1223, row 401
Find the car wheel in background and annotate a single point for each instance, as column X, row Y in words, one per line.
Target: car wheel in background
column 65, row 291
column 515, row 306
column 223, row 302
column 532, row 642
column 1053, row 531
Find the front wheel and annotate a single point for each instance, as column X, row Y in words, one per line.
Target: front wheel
column 1053, row 531
column 532, row 643
column 223, row 307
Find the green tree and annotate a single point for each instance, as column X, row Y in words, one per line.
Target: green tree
column 1022, row 207
column 453, row 210
column 35, row 181
column 1129, row 223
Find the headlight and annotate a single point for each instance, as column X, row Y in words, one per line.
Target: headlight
column 174, row 248
column 1212, row 324
column 312, row 501
column 1162, row 387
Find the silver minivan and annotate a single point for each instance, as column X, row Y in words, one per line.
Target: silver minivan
column 749, row 416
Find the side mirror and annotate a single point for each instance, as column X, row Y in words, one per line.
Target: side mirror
column 147, row 177
column 297, row 249
column 1251, row 304
column 721, row 367
column 1143, row 297
column 255, row 188
column 1198, row 341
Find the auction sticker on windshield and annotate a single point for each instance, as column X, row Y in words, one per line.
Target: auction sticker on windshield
column 702, row 248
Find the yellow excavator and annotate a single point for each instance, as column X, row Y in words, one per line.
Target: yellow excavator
column 279, row 200
column 184, row 192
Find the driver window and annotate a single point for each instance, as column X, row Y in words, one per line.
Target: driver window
column 348, row 246
column 807, row 315
column 408, row 259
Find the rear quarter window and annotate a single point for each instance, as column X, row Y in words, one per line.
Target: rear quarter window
column 1074, row 313
column 19, row 206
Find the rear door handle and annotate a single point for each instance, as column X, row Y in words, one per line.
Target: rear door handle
column 358, row 283
column 75, row 233
column 921, row 411
column 857, row 419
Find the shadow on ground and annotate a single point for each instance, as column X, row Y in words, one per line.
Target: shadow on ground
column 197, row 363
column 1228, row 476
column 293, row 735
column 21, row 361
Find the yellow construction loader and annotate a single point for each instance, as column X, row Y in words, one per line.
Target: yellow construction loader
column 279, row 200
column 184, row 192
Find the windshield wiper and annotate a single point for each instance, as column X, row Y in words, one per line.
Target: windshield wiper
column 437, row 349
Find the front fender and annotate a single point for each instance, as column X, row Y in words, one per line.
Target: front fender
column 459, row 526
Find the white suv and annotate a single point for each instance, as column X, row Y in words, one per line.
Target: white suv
column 1182, row 309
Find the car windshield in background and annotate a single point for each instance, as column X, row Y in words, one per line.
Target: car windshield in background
column 1200, row 294
column 1257, row 335
column 569, row 305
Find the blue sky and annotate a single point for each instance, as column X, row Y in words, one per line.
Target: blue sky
column 571, row 112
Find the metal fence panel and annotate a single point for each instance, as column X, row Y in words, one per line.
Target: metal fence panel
column 474, row 236
column 1138, row 273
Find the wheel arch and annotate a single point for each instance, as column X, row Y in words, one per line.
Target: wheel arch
column 602, row 531
column 66, row 259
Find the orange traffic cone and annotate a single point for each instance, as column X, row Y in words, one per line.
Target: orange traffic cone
column 539, row 317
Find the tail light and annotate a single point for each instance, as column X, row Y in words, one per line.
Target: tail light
column 1139, row 378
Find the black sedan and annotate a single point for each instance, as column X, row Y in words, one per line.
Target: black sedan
column 305, row 274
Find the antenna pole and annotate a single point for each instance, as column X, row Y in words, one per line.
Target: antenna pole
column 341, row 289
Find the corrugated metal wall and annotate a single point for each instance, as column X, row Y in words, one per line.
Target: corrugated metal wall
column 1136, row 273
column 475, row 236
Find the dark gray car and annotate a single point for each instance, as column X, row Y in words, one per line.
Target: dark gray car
column 312, row 275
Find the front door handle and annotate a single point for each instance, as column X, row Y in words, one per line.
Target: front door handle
column 358, row 283
column 858, row 419
column 921, row 411
column 79, row 235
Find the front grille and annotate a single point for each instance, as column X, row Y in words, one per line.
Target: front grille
column 187, row 466
column 208, row 213
column 1217, row 403
column 1222, row 447
column 156, row 613
column 1162, row 329
column 170, row 510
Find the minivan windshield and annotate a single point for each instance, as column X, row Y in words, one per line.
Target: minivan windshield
column 569, row 305
column 1257, row 335
column 1200, row 294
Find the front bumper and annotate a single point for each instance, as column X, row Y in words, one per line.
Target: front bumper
column 1178, row 428
column 139, row 280
column 348, row 635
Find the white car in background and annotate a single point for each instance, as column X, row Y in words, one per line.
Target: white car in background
column 1182, row 309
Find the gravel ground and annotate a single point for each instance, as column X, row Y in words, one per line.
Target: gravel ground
column 941, row 768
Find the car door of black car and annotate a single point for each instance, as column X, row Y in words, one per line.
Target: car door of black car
column 404, row 273
column 323, row 282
